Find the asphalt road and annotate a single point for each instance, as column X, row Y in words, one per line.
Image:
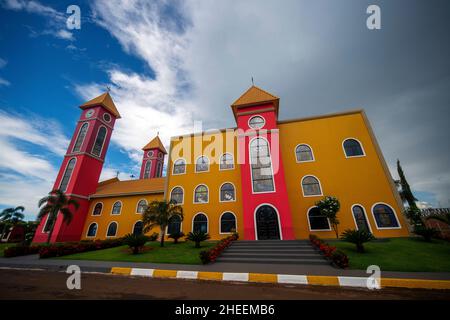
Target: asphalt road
column 28, row 284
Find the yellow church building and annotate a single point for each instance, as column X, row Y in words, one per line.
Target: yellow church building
column 261, row 178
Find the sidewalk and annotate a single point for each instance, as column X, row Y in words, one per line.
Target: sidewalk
column 33, row 261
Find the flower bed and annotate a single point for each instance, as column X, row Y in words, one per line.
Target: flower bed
column 58, row 250
column 337, row 257
column 208, row 256
column 19, row 250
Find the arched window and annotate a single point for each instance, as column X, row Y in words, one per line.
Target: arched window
column 353, row 148
column 179, row 166
column 317, row 221
column 67, row 175
column 158, row 169
column 148, row 166
column 385, row 216
column 200, row 223
column 261, row 166
column 304, row 153
column 97, row 209
column 227, row 192
column 177, row 195
column 80, row 138
column 360, row 218
column 202, row 164
column 201, row 194
column 174, row 225
column 112, row 229
column 311, row 186
column 138, row 227
column 117, row 207
column 227, row 223
column 226, row 162
column 98, row 144
column 92, row 230
column 142, row 206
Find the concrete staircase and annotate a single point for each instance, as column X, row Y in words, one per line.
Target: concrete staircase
column 272, row 251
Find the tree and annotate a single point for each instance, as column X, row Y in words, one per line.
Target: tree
column 329, row 207
column 444, row 217
column 158, row 213
column 358, row 237
column 56, row 202
column 11, row 216
column 197, row 237
column 405, row 190
column 176, row 235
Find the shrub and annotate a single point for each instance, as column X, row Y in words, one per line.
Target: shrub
column 329, row 207
column 19, row 250
column 197, row 237
column 358, row 237
column 63, row 249
column 153, row 237
column 135, row 241
column 176, row 235
column 340, row 259
column 425, row 232
column 207, row 256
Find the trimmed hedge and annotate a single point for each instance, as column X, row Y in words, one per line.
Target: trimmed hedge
column 19, row 250
column 63, row 249
column 337, row 257
column 208, row 256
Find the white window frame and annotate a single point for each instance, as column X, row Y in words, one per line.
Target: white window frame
column 360, row 144
column 173, row 167
column 309, row 223
column 137, row 205
column 71, row 174
column 87, row 231
column 184, row 194
column 209, row 164
column 93, row 209
column 254, row 116
column 220, row 222
column 117, row 229
column 207, row 188
column 207, row 221
column 103, row 143
column 78, row 135
column 220, row 192
column 365, row 214
column 271, row 165
column 303, row 190
column 112, row 208
column 220, row 161
column 395, row 215
column 312, row 153
column 148, row 161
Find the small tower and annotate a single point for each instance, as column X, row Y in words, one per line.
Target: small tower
column 266, row 210
column 153, row 159
column 82, row 166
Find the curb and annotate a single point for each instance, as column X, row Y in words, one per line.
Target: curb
column 360, row 282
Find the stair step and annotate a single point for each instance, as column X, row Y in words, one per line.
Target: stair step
column 273, row 261
column 270, row 256
column 261, row 250
column 267, row 247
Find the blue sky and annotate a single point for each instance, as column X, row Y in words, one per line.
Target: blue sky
column 170, row 63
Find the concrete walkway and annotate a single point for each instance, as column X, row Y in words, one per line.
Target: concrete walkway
column 33, row 261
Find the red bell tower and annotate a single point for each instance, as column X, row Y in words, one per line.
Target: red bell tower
column 267, row 214
column 82, row 165
column 153, row 159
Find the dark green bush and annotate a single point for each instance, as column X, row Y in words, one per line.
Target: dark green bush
column 175, row 236
column 135, row 241
column 358, row 237
column 197, row 237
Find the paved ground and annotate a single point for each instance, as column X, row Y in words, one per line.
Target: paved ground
column 33, row 261
column 27, row 284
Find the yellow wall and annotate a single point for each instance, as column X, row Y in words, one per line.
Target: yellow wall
column 359, row 180
column 126, row 219
column 213, row 179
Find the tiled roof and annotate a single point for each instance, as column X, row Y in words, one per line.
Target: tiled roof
column 115, row 187
column 155, row 144
column 104, row 100
column 252, row 97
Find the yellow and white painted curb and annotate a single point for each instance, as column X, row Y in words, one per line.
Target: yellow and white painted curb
column 341, row 281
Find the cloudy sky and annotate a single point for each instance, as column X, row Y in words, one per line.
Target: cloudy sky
column 170, row 63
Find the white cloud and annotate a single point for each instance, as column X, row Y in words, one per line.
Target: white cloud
column 3, row 63
column 64, row 34
column 4, row 82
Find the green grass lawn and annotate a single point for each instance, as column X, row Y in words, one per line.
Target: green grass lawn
column 183, row 253
column 3, row 247
column 399, row 254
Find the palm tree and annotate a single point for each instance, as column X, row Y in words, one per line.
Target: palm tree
column 11, row 216
column 56, row 202
column 158, row 213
